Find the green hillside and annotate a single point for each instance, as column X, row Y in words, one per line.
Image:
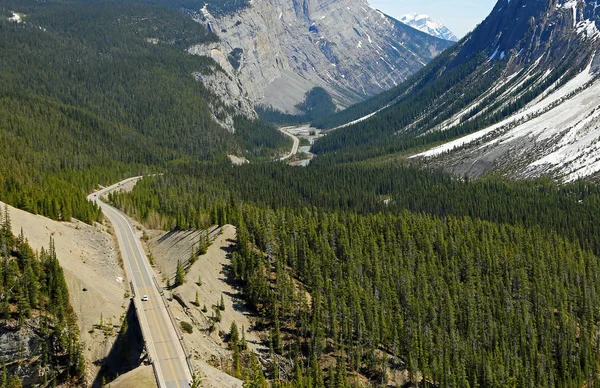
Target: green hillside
column 87, row 98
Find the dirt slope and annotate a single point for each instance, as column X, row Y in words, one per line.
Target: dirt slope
column 206, row 347
column 141, row 377
column 90, row 261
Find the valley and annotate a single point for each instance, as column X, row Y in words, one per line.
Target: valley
column 301, row 155
column 294, row 194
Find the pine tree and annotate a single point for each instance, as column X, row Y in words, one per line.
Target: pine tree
column 180, row 274
column 234, row 335
column 4, row 377
column 193, row 257
column 256, row 377
column 7, row 228
column 243, row 343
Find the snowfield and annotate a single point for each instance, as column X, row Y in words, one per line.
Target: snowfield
column 566, row 122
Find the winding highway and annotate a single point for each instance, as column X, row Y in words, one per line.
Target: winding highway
column 286, row 131
column 160, row 335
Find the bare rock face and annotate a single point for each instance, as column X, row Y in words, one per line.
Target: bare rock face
column 547, row 120
column 231, row 94
column 21, row 349
column 280, row 49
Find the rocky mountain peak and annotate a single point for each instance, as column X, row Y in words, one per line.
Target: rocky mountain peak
column 531, row 28
column 429, row 26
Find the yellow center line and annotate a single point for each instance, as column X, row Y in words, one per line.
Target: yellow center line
column 153, row 310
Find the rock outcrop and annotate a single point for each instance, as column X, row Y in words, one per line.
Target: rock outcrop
column 280, row 49
column 22, row 348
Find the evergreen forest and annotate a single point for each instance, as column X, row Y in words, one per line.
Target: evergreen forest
column 80, row 101
column 360, row 272
column 34, row 296
column 365, row 271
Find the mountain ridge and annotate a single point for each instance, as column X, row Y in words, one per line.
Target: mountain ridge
column 522, row 53
column 280, row 50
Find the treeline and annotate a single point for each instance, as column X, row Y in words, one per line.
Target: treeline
column 194, row 195
column 317, row 105
column 33, row 292
column 215, row 7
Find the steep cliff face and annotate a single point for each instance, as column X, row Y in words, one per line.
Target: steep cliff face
column 280, row 49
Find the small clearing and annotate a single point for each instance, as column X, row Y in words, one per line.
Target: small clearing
column 15, row 18
column 90, row 261
column 238, row 161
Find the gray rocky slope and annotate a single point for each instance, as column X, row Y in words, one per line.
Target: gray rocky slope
column 518, row 95
column 274, row 51
column 553, row 59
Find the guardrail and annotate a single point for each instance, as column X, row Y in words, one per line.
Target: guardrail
column 161, row 291
column 155, row 373
column 186, row 353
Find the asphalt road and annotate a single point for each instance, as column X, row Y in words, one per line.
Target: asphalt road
column 160, row 335
column 286, row 132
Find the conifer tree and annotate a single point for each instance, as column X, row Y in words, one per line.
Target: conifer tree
column 234, row 335
column 179, row 274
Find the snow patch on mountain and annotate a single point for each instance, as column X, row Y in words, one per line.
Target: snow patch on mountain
column 536, row 110
column 558, row 135
column 429, row 26
column 15, row 18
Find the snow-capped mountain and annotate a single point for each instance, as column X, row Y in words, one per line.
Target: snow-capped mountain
column 518, row 95
column 429, row 26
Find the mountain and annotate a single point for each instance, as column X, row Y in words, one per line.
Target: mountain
column 84, row 103
column 429, row 26
column 279, row 50
column 521, row 85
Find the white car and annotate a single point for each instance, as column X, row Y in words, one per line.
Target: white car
column 145, row 298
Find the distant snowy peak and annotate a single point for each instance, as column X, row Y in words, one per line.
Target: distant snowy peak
column 429, row 26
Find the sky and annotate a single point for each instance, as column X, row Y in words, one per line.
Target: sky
column 460, row 16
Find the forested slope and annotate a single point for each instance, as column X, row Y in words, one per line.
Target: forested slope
column 38, row 331
column 469, row 283
column 90, row 91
